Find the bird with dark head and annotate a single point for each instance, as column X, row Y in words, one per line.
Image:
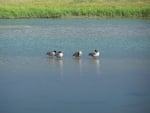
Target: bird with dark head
column 77, row 54
column 96, row 53
column 59, row 54
column 51, row 53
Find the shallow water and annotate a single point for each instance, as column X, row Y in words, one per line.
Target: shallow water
column 116, row 82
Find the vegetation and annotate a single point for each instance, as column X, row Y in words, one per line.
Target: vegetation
column 69, row 8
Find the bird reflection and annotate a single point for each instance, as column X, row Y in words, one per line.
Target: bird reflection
column 96, row 65
column 52, row 63
column 59, row 62
column 79, row 62
column 50, row 59
column 56, row 66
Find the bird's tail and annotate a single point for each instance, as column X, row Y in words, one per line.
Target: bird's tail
column 90, row 54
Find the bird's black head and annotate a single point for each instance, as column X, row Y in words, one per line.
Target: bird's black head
column 96, row 50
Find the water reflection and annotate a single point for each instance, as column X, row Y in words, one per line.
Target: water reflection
column 78, row 60
column 78, row 66
column 52, row 63
column 59, row 64
column 56, row 65
column 95, row 63
column 51, row 60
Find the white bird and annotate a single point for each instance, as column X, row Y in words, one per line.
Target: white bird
column 78, row 54
column 96, row 53
column 59, row 54
column 51, row 53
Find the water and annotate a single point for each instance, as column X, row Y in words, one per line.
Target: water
column 116, row 82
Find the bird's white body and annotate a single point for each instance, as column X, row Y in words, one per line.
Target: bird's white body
column 51, row 53
column 59, row 54
column 78, row 54
column 94, row 54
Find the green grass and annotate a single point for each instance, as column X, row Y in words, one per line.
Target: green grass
column 69, row 8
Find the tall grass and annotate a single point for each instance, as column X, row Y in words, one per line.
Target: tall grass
column 67, row 8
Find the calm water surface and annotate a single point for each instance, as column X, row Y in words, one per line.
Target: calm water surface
column 117, row 82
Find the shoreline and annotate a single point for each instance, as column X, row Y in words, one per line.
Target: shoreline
column 81, row 17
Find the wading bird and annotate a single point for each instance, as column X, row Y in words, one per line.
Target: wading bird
column 51, row 53
column 96, row 53
column 78, row 54
column 59, row 54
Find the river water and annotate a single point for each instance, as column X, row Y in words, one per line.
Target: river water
column 116, row 82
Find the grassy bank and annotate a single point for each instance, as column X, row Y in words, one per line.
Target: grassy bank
column 69, row 8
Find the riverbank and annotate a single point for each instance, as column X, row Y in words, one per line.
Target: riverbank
column 73, row 8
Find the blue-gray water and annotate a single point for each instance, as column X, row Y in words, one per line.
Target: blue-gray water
column 117, row 82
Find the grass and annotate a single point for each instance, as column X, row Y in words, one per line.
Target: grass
column 69, row 8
